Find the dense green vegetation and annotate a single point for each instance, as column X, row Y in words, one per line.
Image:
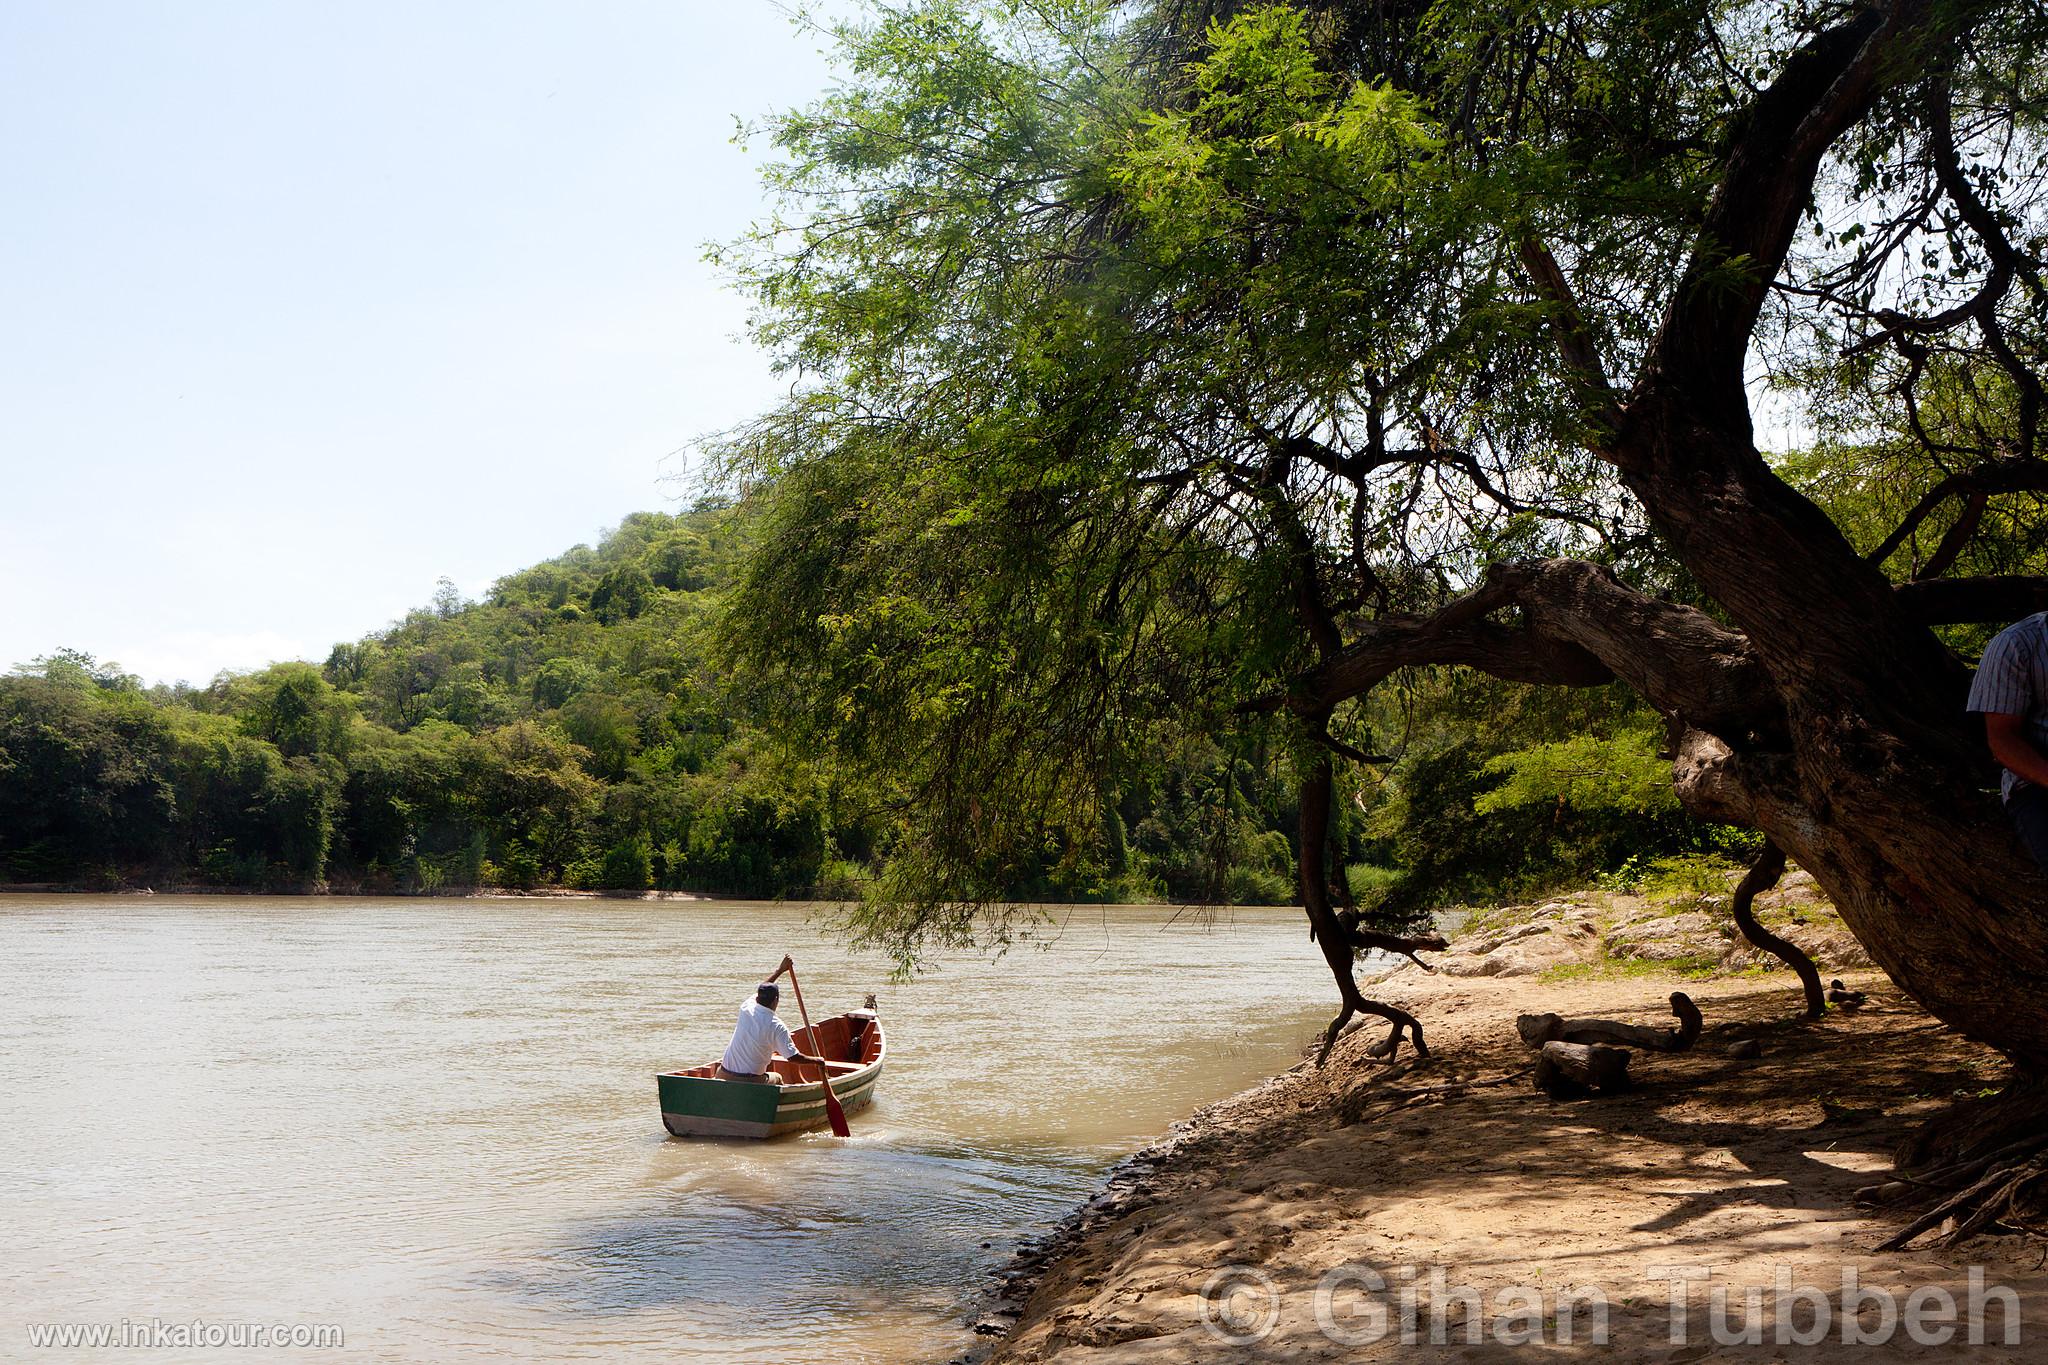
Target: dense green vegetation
column 564, row 731
column 1142, row 391
column 576, row 727
column 1179, row 378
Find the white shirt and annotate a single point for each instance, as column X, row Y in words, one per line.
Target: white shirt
column 757, row 1041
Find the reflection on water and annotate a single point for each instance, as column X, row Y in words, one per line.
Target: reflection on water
column 434, row 1122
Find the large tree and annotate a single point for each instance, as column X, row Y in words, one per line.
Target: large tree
column 1204, row 365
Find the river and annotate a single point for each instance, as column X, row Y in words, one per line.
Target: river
column 432, row 1123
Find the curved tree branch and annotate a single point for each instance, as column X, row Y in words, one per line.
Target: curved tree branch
column 2002, row 476
column 1991, row 600
column 1574, row 338
column 1820, row 92
column 1581, row 627
column 1958, row 536
column 1763, row 874
column 2006, row 260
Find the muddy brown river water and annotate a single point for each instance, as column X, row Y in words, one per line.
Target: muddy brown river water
column 431, row 1124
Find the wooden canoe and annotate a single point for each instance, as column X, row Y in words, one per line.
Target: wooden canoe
column 695, row 1103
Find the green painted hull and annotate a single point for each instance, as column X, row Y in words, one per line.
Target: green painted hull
column 693, row 1106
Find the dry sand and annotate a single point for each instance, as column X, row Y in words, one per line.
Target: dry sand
column 1746, row 1166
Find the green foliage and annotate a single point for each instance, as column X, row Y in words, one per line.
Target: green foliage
column 841, row 879
column 1584, row 773
column 1143, row 356
column 1700, row 968
column 79, row 672
column 1508, row 791
column 504, row 743
column 83, row 776
column 1626, row 876
column 518, row 867
column 624, row 757
column 1370, row 882
column 1064, row 305
column 1868, row 483
column 553, row 731
column 621, row 594
column 1688, row 876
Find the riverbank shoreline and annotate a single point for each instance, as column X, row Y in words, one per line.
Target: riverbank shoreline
column 1455, row 1165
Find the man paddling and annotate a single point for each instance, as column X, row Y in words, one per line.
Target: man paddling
column 760, row 1038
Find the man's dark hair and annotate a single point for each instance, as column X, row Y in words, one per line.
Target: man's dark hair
column 767, row 993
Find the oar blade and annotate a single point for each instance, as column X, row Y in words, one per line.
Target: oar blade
column 836, row 1115
column 833, row 1113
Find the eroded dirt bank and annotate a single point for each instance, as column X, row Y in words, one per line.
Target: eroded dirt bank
column 1749, row 1167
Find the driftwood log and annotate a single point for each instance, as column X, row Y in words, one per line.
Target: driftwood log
column 1539, row 1030
column 1575, row 1068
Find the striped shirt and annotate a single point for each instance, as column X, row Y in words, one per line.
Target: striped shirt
column 2012, row 680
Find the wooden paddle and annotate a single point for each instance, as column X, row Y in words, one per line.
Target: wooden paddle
column 833, row 1112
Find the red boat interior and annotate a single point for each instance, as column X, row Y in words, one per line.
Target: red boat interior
column 848, row 1042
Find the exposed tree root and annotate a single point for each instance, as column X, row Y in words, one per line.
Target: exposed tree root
column 1387, row 1047
column 1762, row 876
column 2011, row 1198
column 1984, row 1163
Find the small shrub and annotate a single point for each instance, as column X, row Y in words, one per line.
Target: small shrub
column 1627, row 878
column 627, row 866
column 1371, row 883
column 1256, row 886
column 225, row 865
column 101, row 877
column 840, row 880
column 467, row 867
column 1688, row 876
column 518, row 869
column 428, row 876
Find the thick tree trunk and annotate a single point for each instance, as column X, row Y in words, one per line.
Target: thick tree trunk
column 1830, row 716
column 1858, row 761
column 1881, row 787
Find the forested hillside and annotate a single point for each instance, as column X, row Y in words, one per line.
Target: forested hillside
column 575, row 728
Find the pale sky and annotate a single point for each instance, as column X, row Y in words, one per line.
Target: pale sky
column 303, row 307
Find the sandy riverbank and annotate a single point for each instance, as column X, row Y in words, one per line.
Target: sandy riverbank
column 1748, row 1166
